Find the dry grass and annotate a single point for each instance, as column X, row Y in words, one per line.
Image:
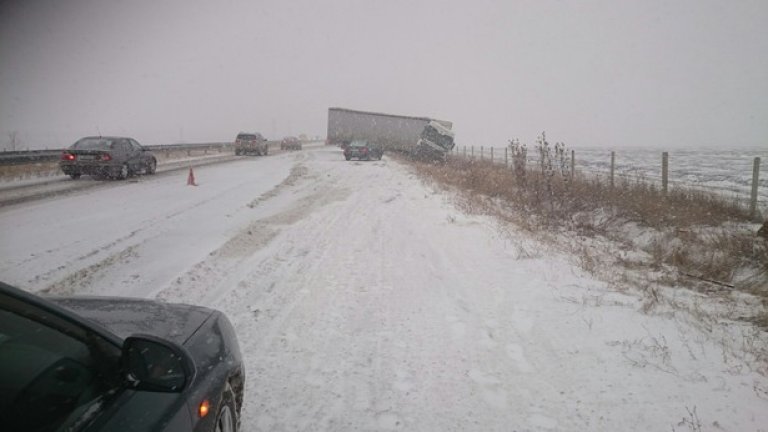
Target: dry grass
column 30, row 170
column 554, row 198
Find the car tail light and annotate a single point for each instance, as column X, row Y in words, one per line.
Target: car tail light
column 67, row 156
column 364, row 149
column 106, row 157
column 204, row 408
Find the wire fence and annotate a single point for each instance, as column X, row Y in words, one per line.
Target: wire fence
column 732, row 174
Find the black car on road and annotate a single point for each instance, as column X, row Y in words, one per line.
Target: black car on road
column 362, row 150
column 116, row 364
column 114, row 157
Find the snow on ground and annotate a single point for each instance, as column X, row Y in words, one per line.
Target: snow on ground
column 364, row 301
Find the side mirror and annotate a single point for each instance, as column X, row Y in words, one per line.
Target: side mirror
column 154, row 364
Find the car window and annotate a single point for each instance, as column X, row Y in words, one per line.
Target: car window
column 93, row 144
column 359, row 144
column 136, row 146
column 123, row 146
column 246, row 137
column 50, row 377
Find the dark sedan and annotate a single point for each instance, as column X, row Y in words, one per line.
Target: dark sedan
column 116, row 364
column 362, row 150
column 115, row 157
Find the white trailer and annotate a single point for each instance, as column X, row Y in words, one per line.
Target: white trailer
column 415, row 135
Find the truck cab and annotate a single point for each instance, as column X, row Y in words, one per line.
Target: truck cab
column 435, row 140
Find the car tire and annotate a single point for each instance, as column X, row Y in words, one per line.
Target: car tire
column 237, row 152
column 227, row 418
column 75, row 176
column 347, row 157
column 151, row 167
column 123, row 173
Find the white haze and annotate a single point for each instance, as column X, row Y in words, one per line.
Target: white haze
column 591, row 73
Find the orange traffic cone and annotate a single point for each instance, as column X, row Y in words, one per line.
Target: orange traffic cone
column 191, row 178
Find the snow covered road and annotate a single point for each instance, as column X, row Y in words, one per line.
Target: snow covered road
column 363, row 300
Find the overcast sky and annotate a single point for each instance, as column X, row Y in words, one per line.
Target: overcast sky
column 591, row 73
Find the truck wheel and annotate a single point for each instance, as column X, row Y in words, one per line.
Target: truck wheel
column 75, row 176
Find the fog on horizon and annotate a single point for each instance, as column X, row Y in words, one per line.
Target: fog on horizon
column 590, row 73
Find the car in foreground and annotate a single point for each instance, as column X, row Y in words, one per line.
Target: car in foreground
column 362, row 150
column 101, row 157
column 116, row 364
column 251, row 143
column 290, row 143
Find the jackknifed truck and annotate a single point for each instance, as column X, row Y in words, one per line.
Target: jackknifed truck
column 418, row 136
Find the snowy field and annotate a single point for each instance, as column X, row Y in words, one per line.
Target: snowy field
column 363, row 300
column 724, row 171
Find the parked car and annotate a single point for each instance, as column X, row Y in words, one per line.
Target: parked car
column 116, row 364
column 290, row 143
column 362, row 150
column 251, row 143
column 115, row 157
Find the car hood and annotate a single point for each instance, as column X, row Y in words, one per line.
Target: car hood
column 127, row 316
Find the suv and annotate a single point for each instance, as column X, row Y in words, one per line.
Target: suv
column 251, row 143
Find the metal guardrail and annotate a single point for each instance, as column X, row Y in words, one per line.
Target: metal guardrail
column 30, row 156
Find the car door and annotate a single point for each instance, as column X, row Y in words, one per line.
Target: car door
column 54, row 374
column 132, row 157
column 143, row 156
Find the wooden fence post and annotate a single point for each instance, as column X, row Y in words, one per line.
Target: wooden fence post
column 472, row 154
column 573, row 163
column 491, row 154
column 664, row 171
column 481, row 152
column 613, row 166
column 465, row 152
column 506, row 156
column 753, row 198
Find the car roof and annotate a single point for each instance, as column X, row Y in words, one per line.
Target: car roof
column 105, row 137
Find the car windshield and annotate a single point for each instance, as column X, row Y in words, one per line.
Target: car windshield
column 497, row 215
column 94, row 144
